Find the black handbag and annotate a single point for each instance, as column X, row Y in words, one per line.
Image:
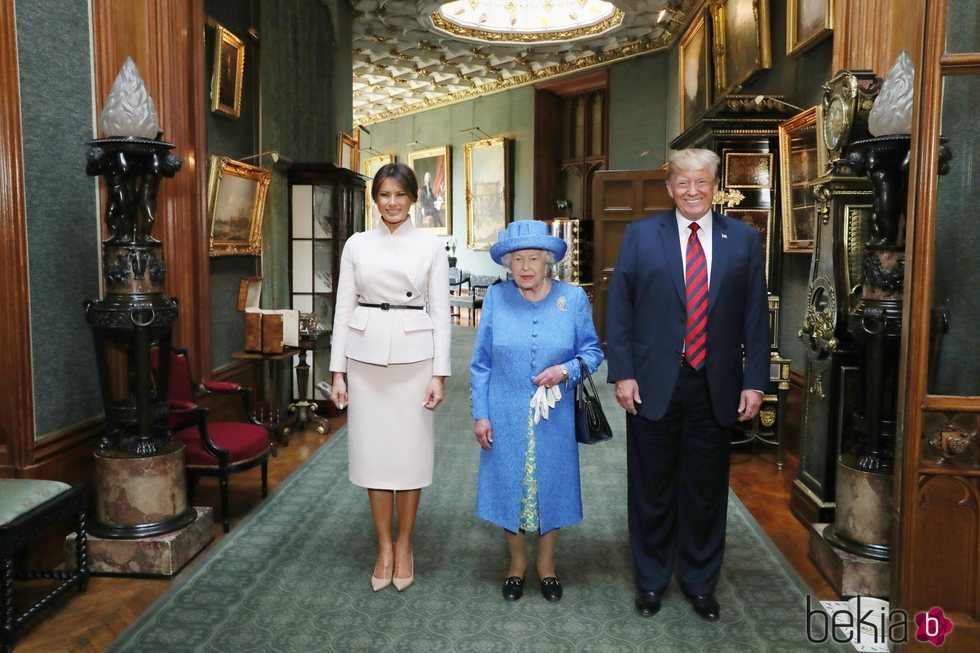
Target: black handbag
column 591, row 425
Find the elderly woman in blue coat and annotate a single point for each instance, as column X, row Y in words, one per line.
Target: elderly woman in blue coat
column 533, row 329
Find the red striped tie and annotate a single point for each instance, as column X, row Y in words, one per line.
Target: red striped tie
column 695, row 342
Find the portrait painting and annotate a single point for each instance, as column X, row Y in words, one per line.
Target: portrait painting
column 742, row 42
column 808, row 22
column 487, row 191
column 226, row 77
column 433, row 210
column 695, row 71
column 236, row 199
column 369, row 168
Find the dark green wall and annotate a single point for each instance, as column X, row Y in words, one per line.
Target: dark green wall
column 235, row 138
column 295, row 98
column 62, row 211
column 638, row 104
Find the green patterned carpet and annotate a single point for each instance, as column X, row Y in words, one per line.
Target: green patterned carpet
column 294, row 575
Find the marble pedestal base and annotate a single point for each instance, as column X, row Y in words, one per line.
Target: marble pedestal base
column 157, row 555
column 847, row 573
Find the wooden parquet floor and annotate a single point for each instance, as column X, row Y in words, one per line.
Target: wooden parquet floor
column 89, row 622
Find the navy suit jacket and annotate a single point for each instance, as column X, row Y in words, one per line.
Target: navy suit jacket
column 647, row 314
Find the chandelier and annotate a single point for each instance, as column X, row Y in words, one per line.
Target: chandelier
column 527, row 21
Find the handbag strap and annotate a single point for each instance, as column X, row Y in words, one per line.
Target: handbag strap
column 586, row 376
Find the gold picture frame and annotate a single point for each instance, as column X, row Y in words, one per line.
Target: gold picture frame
column 236, row 201
column 369, row 168
column 487, row 191
column 802, row 160
column 348, row 152
column 226, row 77
column 433, row 212
column 807, row 23
column 742, row 42
column 695, row 71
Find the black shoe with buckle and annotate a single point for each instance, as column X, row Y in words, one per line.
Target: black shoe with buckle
column 513, row 588
column 551, row 588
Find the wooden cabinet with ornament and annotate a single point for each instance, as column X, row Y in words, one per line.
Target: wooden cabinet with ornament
column 326, row 206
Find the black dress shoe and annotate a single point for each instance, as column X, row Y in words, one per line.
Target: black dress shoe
column 551, row 588
column 705, row 605
column 648, row 602
column 513, row 588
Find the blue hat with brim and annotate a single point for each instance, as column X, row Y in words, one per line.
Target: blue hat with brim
column 527, row 234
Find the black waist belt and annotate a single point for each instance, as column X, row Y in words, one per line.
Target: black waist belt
column 385, row 306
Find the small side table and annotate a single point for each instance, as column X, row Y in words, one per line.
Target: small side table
column 303, row 410
column 265, row 370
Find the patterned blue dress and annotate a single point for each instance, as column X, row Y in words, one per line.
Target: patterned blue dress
column 530, row 468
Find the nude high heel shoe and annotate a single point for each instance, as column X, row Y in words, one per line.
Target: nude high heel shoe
column 401, row 584
column 378, row 584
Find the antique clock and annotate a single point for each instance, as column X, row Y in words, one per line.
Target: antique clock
column 847, row 101
column 843, row 202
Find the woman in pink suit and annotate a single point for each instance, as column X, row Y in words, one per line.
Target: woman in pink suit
column 390, row 357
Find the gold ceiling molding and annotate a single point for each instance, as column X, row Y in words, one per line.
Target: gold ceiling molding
column 611, row 23
column 530, row 77
column 402, row 64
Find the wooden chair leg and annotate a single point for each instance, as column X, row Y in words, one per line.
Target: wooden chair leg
column 7, row 605
column 265, row 479
column 223, row 483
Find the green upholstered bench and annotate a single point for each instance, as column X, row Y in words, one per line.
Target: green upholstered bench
column 27, row 508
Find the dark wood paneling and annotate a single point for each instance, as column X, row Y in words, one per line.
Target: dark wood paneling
column 16, row 399
column 619, row 197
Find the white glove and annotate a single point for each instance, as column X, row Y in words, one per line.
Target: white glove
column 543, row 401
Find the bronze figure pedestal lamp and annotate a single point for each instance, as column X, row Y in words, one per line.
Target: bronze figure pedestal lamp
column 141, row 491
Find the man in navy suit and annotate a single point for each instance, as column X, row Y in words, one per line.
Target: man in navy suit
column 685, row 376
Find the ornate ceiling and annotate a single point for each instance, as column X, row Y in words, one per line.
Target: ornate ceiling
column 404, row 64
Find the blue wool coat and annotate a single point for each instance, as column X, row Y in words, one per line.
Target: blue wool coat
column 516, row 341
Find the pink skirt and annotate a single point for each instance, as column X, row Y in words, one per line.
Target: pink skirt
column 391, row 443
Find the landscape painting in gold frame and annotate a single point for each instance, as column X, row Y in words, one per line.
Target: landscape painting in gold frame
column 236, row 200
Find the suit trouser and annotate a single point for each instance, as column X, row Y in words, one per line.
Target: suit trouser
column 677, row 470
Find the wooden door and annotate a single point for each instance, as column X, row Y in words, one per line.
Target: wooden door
column 937, row 493
column 619, row 198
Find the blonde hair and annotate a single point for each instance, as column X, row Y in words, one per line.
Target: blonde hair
column 692, row 159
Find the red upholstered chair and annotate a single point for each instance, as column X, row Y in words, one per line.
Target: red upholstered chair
column 214, row 448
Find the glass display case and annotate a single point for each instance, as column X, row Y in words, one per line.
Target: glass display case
column 326, row 206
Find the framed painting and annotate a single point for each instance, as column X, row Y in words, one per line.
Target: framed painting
column 487, row 191
column 742, row 42
column 369, row 168
column 695, row 71
column 747, row 170
column 433, row 211
column 802, row 159
column 236, row 200
column 807, row 23
column 348, row 152
column 226, row 78
column 762, row 221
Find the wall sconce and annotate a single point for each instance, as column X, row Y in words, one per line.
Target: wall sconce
column 759, row 100
column 272, row 154
column 470, row 130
